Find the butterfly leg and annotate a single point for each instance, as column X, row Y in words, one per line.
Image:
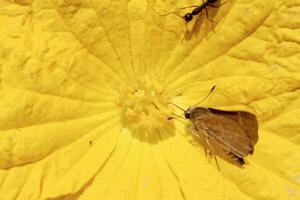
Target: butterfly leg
column 211, row 147
column 215, row 157
column 200, row 139
column 203, row 139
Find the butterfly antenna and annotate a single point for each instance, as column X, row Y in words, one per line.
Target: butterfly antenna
column 211, row 90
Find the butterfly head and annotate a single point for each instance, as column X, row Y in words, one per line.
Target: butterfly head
column 192, row 112
column 187, row 113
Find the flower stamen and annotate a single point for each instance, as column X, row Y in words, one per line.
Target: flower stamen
column 144, row 105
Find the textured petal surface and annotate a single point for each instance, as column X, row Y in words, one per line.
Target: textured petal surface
column 65, row 63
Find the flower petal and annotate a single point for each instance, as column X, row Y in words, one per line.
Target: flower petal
column 63, row 66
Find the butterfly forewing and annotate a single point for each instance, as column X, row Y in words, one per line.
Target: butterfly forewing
column 246, row 120
column 229, row 134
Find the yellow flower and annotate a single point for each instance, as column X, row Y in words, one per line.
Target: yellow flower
column 86, row 86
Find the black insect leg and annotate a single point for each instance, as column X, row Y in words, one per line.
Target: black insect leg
column 185, row 34
column 212, row 21
column 187, row 7
column 217, row 6
column 174, row 13
column 208, row 16
column 214, row 6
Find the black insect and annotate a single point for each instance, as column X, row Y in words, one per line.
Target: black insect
column 197, row 10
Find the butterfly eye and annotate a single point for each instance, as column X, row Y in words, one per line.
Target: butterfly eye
column 187, row 115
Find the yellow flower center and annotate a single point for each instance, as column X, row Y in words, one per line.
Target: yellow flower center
column 144, row 104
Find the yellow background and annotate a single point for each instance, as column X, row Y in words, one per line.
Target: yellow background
column 62, row 63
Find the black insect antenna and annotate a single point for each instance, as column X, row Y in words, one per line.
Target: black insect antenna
column 170, row 13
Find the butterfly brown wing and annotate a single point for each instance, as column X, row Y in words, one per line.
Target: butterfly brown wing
column 225, row 133
column 211, row 146
column 246, row 120
column 217, row 149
